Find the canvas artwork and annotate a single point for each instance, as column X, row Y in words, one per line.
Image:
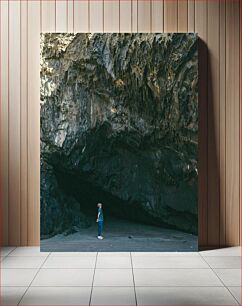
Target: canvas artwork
column 119, row 142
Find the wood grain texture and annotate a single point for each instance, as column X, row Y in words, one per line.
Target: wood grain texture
column 170, row 16
column 191, row 15
column 217, row 24
column 232, row 122
column 48, row 16
column 201, row 28
column 182, row 16
column 61, row 16
column 96, row 16
column 125, row 16
column 4, row 122
column 111, row 16
column 144, row 16
column 134, row 16
column 213, row 123
column 81, row 22
column 14, row 121
column 23, row 123
column 70, row 16
column 222, row 127
column 33, row 123
column 157, row 16
column 240, row 183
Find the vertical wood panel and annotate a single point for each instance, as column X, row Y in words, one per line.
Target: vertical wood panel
column 96, row 16
column 48, row 16
column 157, row 15
column 222, row 130
column 125, row 16
column 232, row 122
column 81, row 21
column 33, row 123
column 23, row 125
column 14, row 122
column 70, row 16
column 218, row 27
column 182, row 16
column 144, row 16
column 240, row 129
column 134, row 16
column 61, row 16
column 4, row 122
column 213, row 123
column 191, row 16
column 170, row 15
column 111, row 16
column 201, row 28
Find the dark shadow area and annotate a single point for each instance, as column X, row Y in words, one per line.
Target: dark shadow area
column 213, row 156
column 202, row 142
column 208, row 156
column 88, row 195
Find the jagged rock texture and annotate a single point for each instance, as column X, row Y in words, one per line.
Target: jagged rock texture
column 119, row 124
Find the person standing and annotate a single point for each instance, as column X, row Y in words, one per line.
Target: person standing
column 100, row 221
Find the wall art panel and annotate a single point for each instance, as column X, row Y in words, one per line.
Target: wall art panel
column 119, row 142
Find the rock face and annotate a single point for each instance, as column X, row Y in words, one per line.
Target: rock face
column 119, row 124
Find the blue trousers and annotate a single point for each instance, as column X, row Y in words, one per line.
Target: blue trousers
column 100, row 228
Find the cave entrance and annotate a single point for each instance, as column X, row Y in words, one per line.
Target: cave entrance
column 127, row 227
column 88, row 195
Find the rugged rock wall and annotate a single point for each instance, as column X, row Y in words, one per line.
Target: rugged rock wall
column 119, row 124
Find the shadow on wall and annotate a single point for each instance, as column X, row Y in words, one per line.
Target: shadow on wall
column 208, row 152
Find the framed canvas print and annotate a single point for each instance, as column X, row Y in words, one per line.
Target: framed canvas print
column 119, row 142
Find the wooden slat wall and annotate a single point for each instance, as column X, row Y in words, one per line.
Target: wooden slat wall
column 222, row 127
column 144, row 16
column 96, row 16
column 201, row 28
column 14, row 121
column 61, row 16
column 232, row 133
column 217, row 23
column 24, row 124
column 134, row 16
column 157, row 13
column 111, row 20
column 170, row 15
column 182, row 18
column 33, row 131
column 240, row 128
column 81, row 16
column 125, row 23
column 70, row 16
column 213, row 122
column 4, row 151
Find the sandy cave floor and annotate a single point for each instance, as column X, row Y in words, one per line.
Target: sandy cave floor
column 122, row 236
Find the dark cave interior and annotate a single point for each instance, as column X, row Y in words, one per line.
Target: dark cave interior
column 88, row 195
